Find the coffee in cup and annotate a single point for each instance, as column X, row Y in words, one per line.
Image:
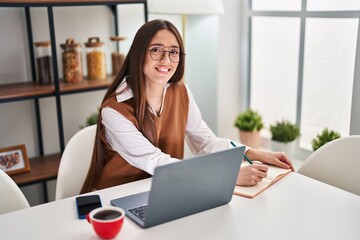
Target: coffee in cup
column 106, row 221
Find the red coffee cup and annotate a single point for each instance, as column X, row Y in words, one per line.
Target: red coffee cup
column 106, row 221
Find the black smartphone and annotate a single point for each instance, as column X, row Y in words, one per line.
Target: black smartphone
column 84, row 204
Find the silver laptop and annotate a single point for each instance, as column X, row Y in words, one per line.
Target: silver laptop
column 184, row 188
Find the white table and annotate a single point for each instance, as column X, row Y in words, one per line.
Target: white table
column 296, row 207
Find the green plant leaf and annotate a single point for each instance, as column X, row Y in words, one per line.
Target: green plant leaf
column 249, row 120
column 324, row 137
column 92, row 119
column 284, row 131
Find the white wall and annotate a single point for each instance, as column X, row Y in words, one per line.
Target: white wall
column 213, row 63
column 230, row 82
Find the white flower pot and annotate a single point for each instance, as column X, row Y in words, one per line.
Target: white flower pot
column 288, row 148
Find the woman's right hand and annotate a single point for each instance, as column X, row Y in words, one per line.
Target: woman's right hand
column 251, row 175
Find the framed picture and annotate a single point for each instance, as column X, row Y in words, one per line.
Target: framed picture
column 14, row 160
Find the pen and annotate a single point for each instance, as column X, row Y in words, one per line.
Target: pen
column 246, row 158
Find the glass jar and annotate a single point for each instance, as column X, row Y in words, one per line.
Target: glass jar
column 117, row 58
column 95, row 59
column 72, row 61
column 44, row 63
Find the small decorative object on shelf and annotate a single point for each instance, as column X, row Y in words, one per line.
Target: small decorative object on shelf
column 95, row 59
column 14, row 160
column 324, row 137
column 72, row 61
column 44, row 63
column 117, row 57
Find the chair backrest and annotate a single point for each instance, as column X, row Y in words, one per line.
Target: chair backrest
column 336, row 163
column 12, row 198
column 75, row 163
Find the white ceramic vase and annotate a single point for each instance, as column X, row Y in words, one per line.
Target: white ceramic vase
column 288, row 148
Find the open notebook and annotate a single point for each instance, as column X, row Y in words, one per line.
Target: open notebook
column 274, row 175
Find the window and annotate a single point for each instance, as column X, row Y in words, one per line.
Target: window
column 302, row 63
column 329, row 60
column 274, row 63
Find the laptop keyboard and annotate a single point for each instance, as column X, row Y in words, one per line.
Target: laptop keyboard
column 139, row 211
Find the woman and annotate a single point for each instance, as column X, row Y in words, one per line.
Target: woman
column 148, row 111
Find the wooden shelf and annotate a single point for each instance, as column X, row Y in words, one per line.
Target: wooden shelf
column 42, row 169
column 30, row 90
column 86, row 85
column 19, row 91
column 64, row 2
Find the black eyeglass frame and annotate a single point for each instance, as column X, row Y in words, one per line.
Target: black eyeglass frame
column 162, row 56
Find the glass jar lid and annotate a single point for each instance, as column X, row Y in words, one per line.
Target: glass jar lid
column 94, row 42
column 70, row 43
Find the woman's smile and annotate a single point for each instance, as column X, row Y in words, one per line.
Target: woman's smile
column 163, row 69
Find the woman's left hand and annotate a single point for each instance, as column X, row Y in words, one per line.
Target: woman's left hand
column 278, row 159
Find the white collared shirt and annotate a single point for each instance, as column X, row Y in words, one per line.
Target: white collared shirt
column 138, row 151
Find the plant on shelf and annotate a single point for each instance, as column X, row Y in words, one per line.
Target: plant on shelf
column 284, row 131
column 91, row 119
column 249, row 124
column 283, row 135
column 324, row 137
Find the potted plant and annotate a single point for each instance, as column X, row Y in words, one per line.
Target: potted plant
column 249, row 124
column 283, row 135
column 324, row 137
column 91, row 119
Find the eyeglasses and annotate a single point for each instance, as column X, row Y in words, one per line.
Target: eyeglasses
column 157, row 53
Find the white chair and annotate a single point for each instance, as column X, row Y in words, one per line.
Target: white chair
column 75, row 163
column 336, row 163
column 12, row 198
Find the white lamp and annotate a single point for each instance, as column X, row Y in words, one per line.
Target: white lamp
column 186, row 7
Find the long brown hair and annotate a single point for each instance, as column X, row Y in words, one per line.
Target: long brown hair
column 132, row 72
